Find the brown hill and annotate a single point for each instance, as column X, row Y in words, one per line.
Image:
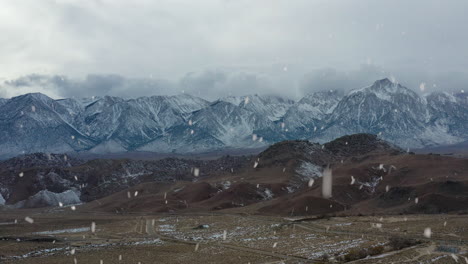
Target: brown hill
column 369, row 176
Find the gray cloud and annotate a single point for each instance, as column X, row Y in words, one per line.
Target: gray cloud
column 217, row 47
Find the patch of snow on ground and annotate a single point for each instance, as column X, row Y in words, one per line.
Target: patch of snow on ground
column 71, row 230
column 2, row 200
column 372, row 185
column 343, row 224
column 225, row 185
column 313, row 252
column 267, row 194
column 66, row 250
column 308, row 170
column 166, row 228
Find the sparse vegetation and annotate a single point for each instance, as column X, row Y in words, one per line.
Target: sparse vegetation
column 397, row 243
column 447, row 248
column 361, row 253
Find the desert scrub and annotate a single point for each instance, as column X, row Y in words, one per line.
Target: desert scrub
column 397, row 243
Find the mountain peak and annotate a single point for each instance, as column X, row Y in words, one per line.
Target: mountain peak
column 37, row 95
column 384, row 82
column 385, row 89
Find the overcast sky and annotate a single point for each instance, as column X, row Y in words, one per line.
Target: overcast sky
column 215, row 48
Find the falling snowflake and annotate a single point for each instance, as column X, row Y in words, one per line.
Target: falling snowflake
column 190, row 122
column 327, row 183
column 246, row 100
column 192, row 132
column 224, row 235
column 427, row 232
column 73, row 208
column 197, row 246
column 352, row 180
column 136, row 194
column 72, row 137
column 33, row 108
column 21, row 174
column 422, row 87
column 196, row 172
column 311, row 182
column 387, row 188
column 416, row 200
column 275, row 244
column 93, row 227
column 29, row 219
column 254, row 137
column 255, row 165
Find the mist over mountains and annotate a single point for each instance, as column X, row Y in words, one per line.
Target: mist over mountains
column 184, row 123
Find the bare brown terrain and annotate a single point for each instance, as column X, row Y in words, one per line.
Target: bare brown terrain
column 65, row 236
column 387, row 206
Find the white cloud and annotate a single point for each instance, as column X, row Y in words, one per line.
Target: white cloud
column 166, row 39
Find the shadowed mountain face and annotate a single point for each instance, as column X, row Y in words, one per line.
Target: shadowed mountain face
column 186, row 124
column 368, row 175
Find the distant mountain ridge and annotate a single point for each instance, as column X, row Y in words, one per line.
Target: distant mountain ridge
column 187, row 124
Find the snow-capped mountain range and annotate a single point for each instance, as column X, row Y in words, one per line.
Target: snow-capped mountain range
column 186, row 124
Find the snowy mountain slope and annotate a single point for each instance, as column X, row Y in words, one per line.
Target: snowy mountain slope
column 34, row 121
column 385, row 108
column 3, row 101
column 309, row 114
column 221, row 125
column 273, row 107
column 448, row 111
column 184, row 123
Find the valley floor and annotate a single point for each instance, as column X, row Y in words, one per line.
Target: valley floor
column 65, row 236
